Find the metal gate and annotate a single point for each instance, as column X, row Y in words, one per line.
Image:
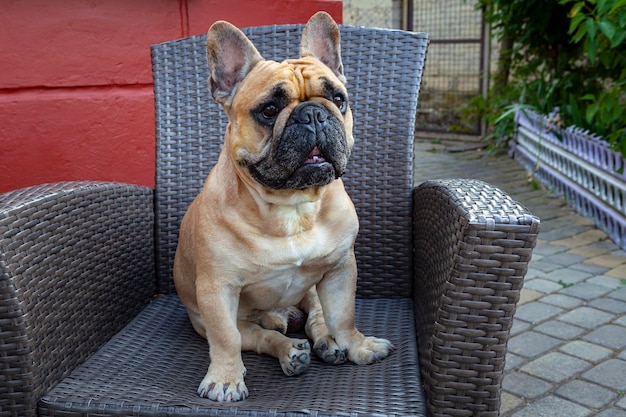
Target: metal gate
column 457, row 65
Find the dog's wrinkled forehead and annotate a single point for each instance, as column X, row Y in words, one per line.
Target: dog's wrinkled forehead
column 294, row 79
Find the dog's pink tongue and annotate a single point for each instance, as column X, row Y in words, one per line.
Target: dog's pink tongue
column 314, row 157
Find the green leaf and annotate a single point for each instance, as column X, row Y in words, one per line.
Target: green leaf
column 575, row 10
column 592, row 50
column 588, row 97
column 575, row 22
column 607, row 28
column 591, row 28
column 510, row 110
column 606, row 58
column 580, row 33
column 618, row 39
column 616, row 5
column 592, row 109
column 603, row 6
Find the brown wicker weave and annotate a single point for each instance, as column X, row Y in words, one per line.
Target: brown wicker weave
column 83, row 332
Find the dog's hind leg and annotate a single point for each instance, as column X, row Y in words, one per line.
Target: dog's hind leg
column 294, row 355
column 324, row 344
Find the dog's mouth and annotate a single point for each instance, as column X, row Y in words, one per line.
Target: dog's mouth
column 314, row 157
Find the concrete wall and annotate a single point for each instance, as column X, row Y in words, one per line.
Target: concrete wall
column 76, row 98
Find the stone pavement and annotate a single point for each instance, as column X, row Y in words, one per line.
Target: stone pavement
column 567, row 353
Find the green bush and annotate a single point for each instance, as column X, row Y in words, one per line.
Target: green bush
column 569, row 54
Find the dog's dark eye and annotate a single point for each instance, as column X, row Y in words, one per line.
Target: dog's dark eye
column 340, row 102
column 270, row 111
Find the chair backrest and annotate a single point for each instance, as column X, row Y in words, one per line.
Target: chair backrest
column 383, row 69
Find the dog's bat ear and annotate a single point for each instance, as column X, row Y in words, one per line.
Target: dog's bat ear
column 231, row 56
column 322, row 40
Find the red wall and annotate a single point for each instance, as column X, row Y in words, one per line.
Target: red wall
column 76, row 85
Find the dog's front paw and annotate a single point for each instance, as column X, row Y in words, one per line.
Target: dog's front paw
column 372, row 349
column 223, row 391
column 296, row 358
column 327, row 350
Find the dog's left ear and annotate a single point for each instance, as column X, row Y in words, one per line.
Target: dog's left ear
column 322, row 40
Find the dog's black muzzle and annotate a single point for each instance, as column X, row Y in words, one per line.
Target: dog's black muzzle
column 311, row 151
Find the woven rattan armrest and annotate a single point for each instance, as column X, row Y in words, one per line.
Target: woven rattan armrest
column 76, row 264
column 472, row 248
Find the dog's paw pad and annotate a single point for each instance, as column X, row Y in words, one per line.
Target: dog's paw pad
column 328, row 351
column 297, row 358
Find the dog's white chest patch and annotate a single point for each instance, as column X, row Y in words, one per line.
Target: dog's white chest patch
column 285, row 281
column 298, row 249
column 293, row 218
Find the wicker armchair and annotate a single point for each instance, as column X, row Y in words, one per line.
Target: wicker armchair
column 90, row 324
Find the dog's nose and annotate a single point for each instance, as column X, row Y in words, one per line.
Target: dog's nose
column 311, row 114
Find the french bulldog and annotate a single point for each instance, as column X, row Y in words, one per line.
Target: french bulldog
column 273, row 229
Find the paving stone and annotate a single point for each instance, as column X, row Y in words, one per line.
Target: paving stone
column 527, row 295
column 612, row 412
column 524, row 385
column 619, row 294
column 552, row 406
column 620, row 253
column 609, row 335
column 588, row 251
column 556, row 366
column 622, row 403
column 545, row 266
column 587, row 394
column 548, row 249
column 531, row 344
column 513, row 362
column 606, row 281
column 622, row 355
column 585, row 291
column 618, row 272
column 586, row 317
column 566, row 259
column 578, row 219
column 592, row 269
column 559, row 234
column 533, row 273
column 607, row 260
column 564, row 217
column 556, row 328
column 508, row 403
column 621, row 321
column 543, row 285
column 609, row 374
column 519, row 326
column 606, row 243
column 535, row 312
column 586, row 350
column 561, row 300
column 609, row 304
column 582, row 239
column 567, row 275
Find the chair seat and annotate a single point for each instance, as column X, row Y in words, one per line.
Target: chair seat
column 154, row 365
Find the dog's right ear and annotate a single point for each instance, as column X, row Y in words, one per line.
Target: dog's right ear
column 231, row 56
